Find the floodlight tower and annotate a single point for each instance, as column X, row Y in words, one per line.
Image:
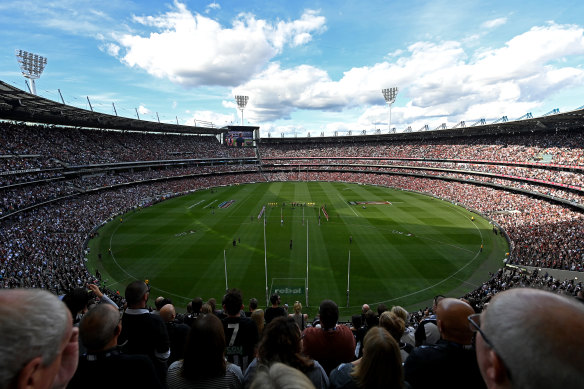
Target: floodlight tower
column 31, row 65
column 241, row 103
column 389, row 94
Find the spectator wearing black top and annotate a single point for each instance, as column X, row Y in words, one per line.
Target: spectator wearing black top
column 241, row 333
column 193, row 310
column 99, row 331
column 142, row 332
column 275, row 310
column 451, row 362
column 253, row 305
column 177, row 332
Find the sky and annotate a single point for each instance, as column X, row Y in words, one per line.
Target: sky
column 309, row 67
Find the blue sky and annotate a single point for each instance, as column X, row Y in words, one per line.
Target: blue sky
column 307, row 66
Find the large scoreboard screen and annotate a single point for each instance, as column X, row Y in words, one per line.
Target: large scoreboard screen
column 238, row 138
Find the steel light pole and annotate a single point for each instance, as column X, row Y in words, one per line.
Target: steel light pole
column 389, row 94
column 241, row 103
column 31, row 65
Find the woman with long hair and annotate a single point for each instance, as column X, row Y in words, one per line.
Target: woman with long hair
column 204, row 364
column 396, row 327
column 299, row 317
column 380, row 366
column 258, row 317
column 281, row 342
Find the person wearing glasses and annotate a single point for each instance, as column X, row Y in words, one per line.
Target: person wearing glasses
column 451, row 362
column 530, row 338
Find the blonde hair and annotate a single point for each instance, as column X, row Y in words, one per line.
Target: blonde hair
column 258, row 317
column 400, row 312
column 280, row 376
column 297, row 307
column 393, row 324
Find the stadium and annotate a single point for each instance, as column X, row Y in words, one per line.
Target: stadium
column 367, row 221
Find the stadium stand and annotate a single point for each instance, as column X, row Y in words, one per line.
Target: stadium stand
column 59, row 183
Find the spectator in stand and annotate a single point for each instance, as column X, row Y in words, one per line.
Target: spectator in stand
column 204, row 364
column 220, row 313
column 281, row 342
column 77, row 300
column 142, row 332
column 177, row 333
column 427, row 331
column 529, row 338
column 280, row 376
column 380, row 309
column 371, row 320
column 332, row 344
column 160, row 302
column 38, row 345
column 451, row 362
column 206, row 309
column 380, row 366
column 396, row 327
column 253, row 305
column 195, row 310
column 299, row 317
column 408, row 336
column 275, row 310
column 258, row 317
column 241, row 332
column 99, row 331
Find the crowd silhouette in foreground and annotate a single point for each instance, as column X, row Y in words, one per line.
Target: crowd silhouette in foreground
column 88, row 341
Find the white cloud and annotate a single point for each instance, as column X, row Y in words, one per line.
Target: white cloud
column 143, row 110
column 218, row 119
column 494, row 23
column 194, row 50
column 438, row 81
column 110, row 48
column 212, row 6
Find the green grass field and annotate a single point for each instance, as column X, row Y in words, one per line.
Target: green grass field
column 401, row 253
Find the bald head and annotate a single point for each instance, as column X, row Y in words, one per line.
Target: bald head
column 168, row 313
column 452, row 318
column 100, row 328
column 536, row 335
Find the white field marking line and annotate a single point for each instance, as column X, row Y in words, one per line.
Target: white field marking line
column 344, row 202
column 133, row 277
column 194, row 205
column 444, row 280
column 114, row 257
column 211, row 203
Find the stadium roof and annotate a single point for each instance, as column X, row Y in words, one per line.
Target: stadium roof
column 568, row 121
column 16, row 104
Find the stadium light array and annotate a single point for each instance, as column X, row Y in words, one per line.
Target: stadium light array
column 241, row 103
column 32, row 66
column 389, row 94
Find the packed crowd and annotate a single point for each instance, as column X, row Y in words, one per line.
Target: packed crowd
column 43, row 248
column 87, row 340
column 557, row 148
column 55, row 146
column 575, row 195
